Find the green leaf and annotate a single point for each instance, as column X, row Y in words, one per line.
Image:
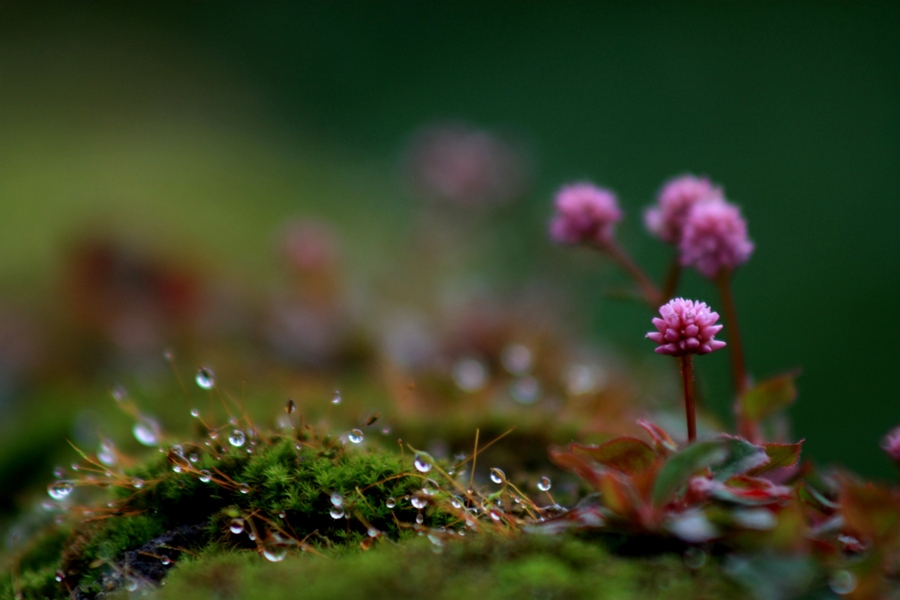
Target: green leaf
column 742, row 457
column 625, row 454
column 780, row 456
column 769, row 397
column 681, row 466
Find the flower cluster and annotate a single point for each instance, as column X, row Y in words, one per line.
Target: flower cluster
column 714, row 238
column 675, row 201
column 585, row 213
column 686, row 327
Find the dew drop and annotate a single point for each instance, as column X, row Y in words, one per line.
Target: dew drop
column 694, row 557
column 355, row 436
column 281, row 515
column 193, row 458
column 336, row 398
column 274, row 553
column 544, row 484
column 146, row 431
column 422, row 463
column 842, row 582
column 390, row 503
column 337, row 499
column 177, row 468
column 336, row 512
column 497, row 475
column 131, row 584
column 516, row 359
column 165, row 560
column 178, row 449
column 119, row 393
column 59, row 472
column 60, row 575
column 137, row 483
column 237, row 438
column 107, row 453
column 236, row 526
column 60, row 490
column 455, row 502
column 418, row 502
column 205, row 476
column 495, row 514
column 195, row 412
column 420, row 518
column 470, row 374
column 243, row 488
column 251, row 536
column 525, row 390
column 430, row 487
column 205, row 378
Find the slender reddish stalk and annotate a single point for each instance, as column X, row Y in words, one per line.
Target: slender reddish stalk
column 746, row 427
column 651, row 293
column 672, row 277
column 687, row 378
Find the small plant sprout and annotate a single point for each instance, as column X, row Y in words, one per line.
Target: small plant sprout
column 686, row 328
column 587, row 215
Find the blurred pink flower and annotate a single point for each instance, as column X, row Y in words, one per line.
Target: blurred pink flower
column 585, row 213
column 675, row 200
column 463, row 165
column 891, row 444
column 686, row 327
column 714, row 238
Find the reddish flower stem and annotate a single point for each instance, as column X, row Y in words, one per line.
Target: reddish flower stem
column 687, row 378
column 672, row 278
column 650, row 292
column 746, row 427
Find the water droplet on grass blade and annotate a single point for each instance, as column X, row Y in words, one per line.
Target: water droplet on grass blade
column 205, row 378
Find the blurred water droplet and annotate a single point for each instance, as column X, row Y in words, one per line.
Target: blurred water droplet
column 420, row 518
column 195, row 412
column 290, row 407
column 236, row 526
column 585, row 379
column 336, row 398
column 281, row 514
column 497, row 475
column 177, row 468
column 390, row 503
column 251, row 536
column 337, row 499
column 243, row 488
column 386, row 430
column 193, row 458
column 237, row 438
column 119, row 393
column 60, row 575
column 137, row 483
column 274, row 552
column 165, row 560
column 107, row 453
column 544, row 484
column 430, row 487
column 336, row 512
column 168, row 355
column 205, row 378
column 205, row 476
column 455, row 502
column 694, row 557
column 355, row 436
column 59, row 472
column 495, row 514
column 842, row 582
column 525, row 390
column 418, row 502
column 422, row 463
column 131, row 584
column 516, row 359
column 470, row 374
column 146, row 431
column 60, row 490
column 178, row 450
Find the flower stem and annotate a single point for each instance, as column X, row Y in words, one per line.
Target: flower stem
column 672, row 277
column 651, row 293
column 746, row 427
column 687, row 378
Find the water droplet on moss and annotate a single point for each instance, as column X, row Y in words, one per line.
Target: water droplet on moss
column 60, row 490
column 430, row 487
column 418, row 502
column 390, row 503
column 137, row 483
column 237, row 438
column 205, row 476
column 497, row 475
column 336, row 512
column 336, row 398
column 236, row 526
column 206, row 379
column 544, row 484
column 195, row 412
column 420, row 518
column 274, row 553
column 372, row 532
column 842, row 582
column 337, row 499
column 243, row 488
column 422, row 463
column 355, row 436
column 119, row 393
column 146, row 431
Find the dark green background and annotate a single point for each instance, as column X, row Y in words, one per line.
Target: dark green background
column 210, row 122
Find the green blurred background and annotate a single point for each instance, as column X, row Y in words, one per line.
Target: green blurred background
column 202, row 126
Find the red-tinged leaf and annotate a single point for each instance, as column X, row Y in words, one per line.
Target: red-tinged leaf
column 780, row 456
column 662, row 440
column 742, row 458
column 815, row 499
column 870, row 510
column 678, row 469
column 617, row 496
column 627, row 455
column 769, row 397
column 752, row 491
column 579, row 466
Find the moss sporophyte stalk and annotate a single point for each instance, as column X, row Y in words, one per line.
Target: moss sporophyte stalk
column 238, row 509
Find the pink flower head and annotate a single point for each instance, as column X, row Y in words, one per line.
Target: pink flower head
column 714, row 238
column 891, row 444
column 686, row 327
column 675, row 200
column 585, row 213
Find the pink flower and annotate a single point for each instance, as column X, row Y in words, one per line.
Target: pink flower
column 675, row 200
column 686, row 327
column 585, row 213
column 714, row 238
column 891, row 444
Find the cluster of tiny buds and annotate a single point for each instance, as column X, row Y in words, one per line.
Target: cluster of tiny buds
column 686, row 327
column 585, row 214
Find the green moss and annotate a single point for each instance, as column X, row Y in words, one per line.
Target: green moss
column 483, row 567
